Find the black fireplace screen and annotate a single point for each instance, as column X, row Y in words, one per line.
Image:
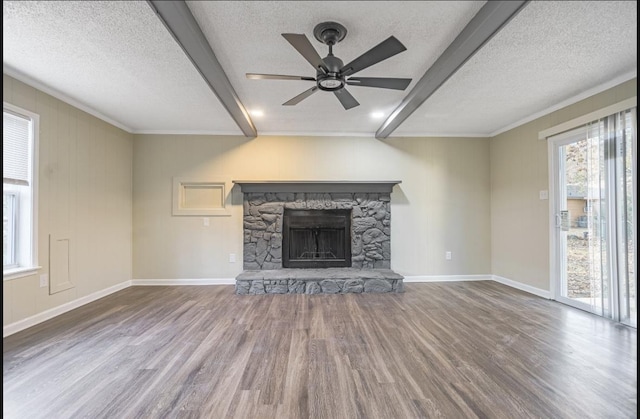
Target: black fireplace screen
column 316, row 239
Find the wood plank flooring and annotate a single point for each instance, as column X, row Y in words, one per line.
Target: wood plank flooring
column 439, row 350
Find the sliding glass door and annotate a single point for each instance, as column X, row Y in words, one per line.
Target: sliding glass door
column 594, row 206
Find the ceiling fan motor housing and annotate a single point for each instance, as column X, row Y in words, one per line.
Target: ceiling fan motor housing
column 331, row 80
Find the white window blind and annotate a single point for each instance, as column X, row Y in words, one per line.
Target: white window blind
column 16, row 132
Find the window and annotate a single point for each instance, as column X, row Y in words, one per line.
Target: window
column 19, row 128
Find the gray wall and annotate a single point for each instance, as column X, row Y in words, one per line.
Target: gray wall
column 441, row 205
column 84, row 194
column 519, row 170
column 99, row 185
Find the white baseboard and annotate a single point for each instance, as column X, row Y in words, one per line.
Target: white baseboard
column 184, row 281
column 447, row 278
column 457, row 278
column 56, row 311
column 49, row 314
column 523, row 287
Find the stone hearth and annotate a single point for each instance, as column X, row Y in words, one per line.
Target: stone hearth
column 264, row 206
column 318, row 281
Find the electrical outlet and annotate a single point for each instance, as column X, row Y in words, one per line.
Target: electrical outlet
column 447, row 255
column 232, row 258
column 205, row 221
column 44, row 280
column 543, row 195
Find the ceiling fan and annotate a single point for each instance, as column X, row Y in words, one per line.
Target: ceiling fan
column 331, row 74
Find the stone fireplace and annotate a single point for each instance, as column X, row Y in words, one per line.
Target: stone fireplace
column 317, row 237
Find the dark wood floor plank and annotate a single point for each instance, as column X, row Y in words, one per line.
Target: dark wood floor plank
column 439, row 350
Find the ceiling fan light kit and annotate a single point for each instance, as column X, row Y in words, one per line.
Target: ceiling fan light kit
column 331, row 72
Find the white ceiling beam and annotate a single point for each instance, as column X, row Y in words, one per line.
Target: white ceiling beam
column 184, row 28
column 484, row 25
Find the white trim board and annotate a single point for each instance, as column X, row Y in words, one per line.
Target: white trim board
column 20, row 325
column 49, row 314
column 61, row 96
column 523, row 287
column 183, row 281
column 575, row 99
column 446, row 278
column 56, row 311
column 459, row 278
column 590, row 117
column 58, row 95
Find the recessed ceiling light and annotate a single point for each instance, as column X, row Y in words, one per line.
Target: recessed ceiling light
column 377, row 115
column 257, row 113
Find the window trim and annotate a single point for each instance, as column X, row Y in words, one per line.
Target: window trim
column 27, row 265
column 180, row 187
column 632, row 102
column 15, row 219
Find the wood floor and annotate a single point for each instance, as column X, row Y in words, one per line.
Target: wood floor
column 440, row 350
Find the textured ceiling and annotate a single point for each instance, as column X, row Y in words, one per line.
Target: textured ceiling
column 115, row 57
column 549, row 52
column 117, row 60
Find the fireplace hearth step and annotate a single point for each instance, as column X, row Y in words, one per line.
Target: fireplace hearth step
column 318, row 281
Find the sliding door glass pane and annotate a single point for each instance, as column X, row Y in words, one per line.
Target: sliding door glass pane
column 583, row 238
column 625, row 217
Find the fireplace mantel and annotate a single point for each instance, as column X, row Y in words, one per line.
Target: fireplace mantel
column 322, row 186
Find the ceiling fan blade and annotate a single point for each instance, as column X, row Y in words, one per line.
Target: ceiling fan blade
column 346, row 99
column 302, row 96
column 387, row 48
column 303, row 46
column 255, row 76
column 383, row 82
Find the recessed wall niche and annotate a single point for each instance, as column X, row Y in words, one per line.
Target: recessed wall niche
column 200, row 197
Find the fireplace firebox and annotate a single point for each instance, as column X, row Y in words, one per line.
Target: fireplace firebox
column 316, row 238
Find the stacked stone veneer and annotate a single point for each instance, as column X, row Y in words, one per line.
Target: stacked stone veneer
column 319, row 281
column 370, row 226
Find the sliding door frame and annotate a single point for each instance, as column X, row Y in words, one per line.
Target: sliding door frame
column 557, row 137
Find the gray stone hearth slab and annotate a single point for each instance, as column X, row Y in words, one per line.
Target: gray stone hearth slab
column 318, row 281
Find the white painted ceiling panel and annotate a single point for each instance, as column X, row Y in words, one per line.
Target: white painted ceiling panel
column 117, row 58
column 550, row 52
